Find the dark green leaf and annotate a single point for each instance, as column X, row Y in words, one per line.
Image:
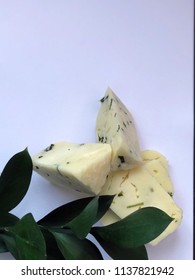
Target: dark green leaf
column 25, row 240
column 104, row 204
column 15, row 180
column 81, row 224
column 120, row 253
column 65, row 213
column 135, row 230
column 7, row 219
column 10, row 244
column 52, row 250
column 74, row 248
column 3, row 247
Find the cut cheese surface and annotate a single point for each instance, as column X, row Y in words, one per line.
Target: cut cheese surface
column 157, row 166
column 84, row 167
column 109, row 218
column 115, row 126
column 157, row 170
column 137, row 188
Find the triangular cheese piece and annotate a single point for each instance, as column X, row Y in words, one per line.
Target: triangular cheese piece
column 136, row 189
column 115, row 126
column 84, row 167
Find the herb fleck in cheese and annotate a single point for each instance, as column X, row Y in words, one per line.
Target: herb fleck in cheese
column 140, row 189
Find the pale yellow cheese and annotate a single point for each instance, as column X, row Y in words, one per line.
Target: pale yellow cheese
column 157, row 170
column 137, row 188
column 109, row 218
column 115, row 125
column 157, row 165
column 83, row 167
column 149, row 155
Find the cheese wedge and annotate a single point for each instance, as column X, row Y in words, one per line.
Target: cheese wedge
column 157, row 165
column 136, row 189
column 84, row 167
column 115, row 126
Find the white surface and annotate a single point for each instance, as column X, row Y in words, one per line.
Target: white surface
column 57, row 59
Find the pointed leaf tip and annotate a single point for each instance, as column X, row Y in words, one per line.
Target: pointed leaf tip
column 15, row 180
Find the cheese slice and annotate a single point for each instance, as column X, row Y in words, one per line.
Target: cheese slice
column 157, row 170
column 84, row 167
column 149, row 155
column 115, row 126
column 136, row 189
column 157, row 165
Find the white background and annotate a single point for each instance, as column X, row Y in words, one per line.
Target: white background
column 57, row 59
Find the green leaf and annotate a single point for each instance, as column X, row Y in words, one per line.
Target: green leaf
column 52, row 250
column 79, row 215
column 104, row 204
column 25, row 240
column 81, row 224
column 94, row 211
column 74, row 248
column 3, row 247
column 10, row 244
column 62, row 215
column 120, row 253
column 135, row 230
column 7, row 219
column 15, row 180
